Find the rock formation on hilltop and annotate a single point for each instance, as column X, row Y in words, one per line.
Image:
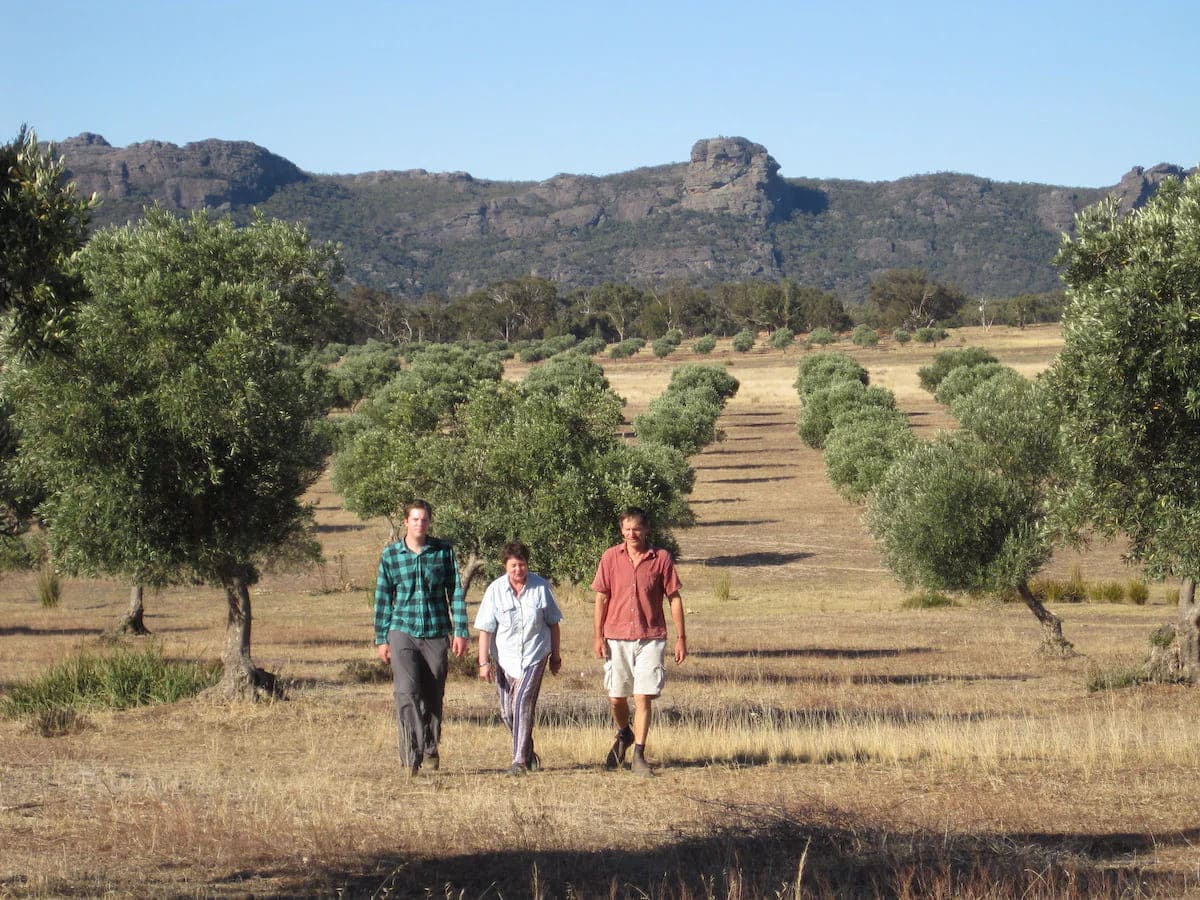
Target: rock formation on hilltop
column 214, row 174
column 732, row 175
column 724, row 215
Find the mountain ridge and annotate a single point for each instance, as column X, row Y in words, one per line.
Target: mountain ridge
column 724, row 215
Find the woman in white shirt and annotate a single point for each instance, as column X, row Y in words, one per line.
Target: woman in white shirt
column 518, row 617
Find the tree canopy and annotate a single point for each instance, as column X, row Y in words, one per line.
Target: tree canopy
column 176, row 431
column 1128, row 381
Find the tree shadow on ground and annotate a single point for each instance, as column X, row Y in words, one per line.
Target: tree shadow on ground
column 818, row 652
column 765, row 852
column 13, row 630
column 763, row 480
column 834, row 678
column 334, row 529
column 735, row 523
column 757, row 559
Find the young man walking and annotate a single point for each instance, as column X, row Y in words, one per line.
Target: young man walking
column 630, row 632
column 417, row 594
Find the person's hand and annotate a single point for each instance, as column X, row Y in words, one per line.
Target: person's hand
column 485, row 672
column 600, row 648
column 555, row 664
column 384, row 653
column 458, row 646
column 680, row 650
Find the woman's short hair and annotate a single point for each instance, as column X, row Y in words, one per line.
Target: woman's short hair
column 514, row 550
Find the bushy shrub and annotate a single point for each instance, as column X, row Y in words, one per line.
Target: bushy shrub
column 710, row 380
column 900, row 336
column 864, row 336
column 925, row 335
column 819, row 408
column 823, row 369
column 626, row 348
column 931, row 375
column 1138, row 592
column 963, row 380
column 663, row 347
column 685, row 421
column 859, row 450
column 821, row 337
column 743, row 341
column 547, row 348
column 590, row 346
column 363, row 370
column 705, row 345
column 781, row 338
column 565, row 370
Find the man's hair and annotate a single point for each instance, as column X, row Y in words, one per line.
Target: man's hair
column 418, row 504
column 514, row 550
column 635, row 512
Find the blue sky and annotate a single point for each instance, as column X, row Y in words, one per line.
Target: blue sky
column 1072, row 93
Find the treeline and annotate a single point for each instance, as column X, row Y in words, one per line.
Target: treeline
column 534, row 308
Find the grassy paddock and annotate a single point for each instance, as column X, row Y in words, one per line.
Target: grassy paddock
column 821, row 740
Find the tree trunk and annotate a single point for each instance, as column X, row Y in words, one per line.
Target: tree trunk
column 1053, row 642
column 134, row 621
column 467, row 573
column 1188, row 631
column 241, row 679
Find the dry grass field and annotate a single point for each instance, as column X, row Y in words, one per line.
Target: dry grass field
column 820, row 741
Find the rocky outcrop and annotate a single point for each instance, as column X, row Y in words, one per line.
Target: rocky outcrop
column 724, row 215
column 732, row 175
column 214, row 174
column 1138, row 185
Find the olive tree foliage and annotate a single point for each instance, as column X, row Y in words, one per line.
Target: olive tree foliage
column 861, row 447
column 969, row 511
column 931, row 375
column 963, row 380
column 175, row 430
column 540, row 461
column 1128, row 380
column 819, row 370
column 685, row 415
column 42, row 223
column 820, row 409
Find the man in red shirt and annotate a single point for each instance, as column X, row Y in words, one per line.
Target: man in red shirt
column 630, row 632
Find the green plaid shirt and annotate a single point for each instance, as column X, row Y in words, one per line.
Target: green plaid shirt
column 417, row 592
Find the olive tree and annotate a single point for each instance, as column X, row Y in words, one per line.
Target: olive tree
column 1128, row 381
column 541, row 460
column 969, row 510
column 176, row 430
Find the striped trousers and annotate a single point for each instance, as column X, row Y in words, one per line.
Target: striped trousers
column 518, row 706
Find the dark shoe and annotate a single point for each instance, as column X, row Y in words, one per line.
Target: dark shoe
column 516, row 770
column 639, row 766
column 535, row 762
column 616, row 756
column 432, row 762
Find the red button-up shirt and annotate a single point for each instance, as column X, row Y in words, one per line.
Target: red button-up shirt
column 635, row 595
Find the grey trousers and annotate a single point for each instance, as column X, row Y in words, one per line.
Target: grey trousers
column 419, row 668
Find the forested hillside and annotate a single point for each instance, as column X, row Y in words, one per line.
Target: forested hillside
column 724, row 215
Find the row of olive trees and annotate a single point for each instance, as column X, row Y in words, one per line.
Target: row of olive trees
column 1104, row 443
column 963, row 512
